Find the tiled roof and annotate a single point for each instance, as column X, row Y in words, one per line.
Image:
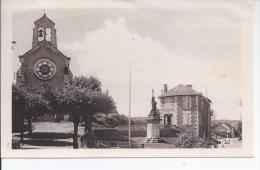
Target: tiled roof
column 180, row 90
column 44, row 17
column 44, row 44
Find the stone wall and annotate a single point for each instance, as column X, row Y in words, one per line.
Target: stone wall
column 204, row 117
column 192, row 109
column 168, row 106
column 178, row 108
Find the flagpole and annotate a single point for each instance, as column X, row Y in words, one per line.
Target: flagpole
column 129, row 113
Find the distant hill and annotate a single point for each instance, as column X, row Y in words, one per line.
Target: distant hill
column 233, row 123
column 142, row 121
column 139, row 120
column 221, row 128
column 225, row 121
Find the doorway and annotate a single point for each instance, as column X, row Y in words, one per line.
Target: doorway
column 168, row 119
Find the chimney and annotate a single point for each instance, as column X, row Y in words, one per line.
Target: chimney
column 107, row 92
column 189, row 86
column 161, row 91
column 165, row 88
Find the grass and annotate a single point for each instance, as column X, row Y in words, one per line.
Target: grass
column 61, row 134
column 136, row 131
column 121, row 132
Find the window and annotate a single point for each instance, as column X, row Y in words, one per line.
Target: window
column 167, row 119
column 41, row 34
column 187, row 101
column 48, row 34
column 187, row 117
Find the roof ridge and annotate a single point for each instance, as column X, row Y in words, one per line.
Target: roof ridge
column 44, row 44
column 180, row 90
column 180, row 85
column 44, row 16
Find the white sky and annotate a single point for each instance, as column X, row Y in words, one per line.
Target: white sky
column 173, row 46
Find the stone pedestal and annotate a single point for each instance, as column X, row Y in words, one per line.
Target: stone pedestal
column 153, row 123
column 153, row 129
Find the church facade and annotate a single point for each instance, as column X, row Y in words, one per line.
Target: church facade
column 184, row 106
column 43, row 64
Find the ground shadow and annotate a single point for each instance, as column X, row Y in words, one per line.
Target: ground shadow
column 40, row 142
column 48, row 135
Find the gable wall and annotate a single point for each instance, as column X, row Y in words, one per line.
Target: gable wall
column 30, row 78
column 175, row 105
column 204, row 117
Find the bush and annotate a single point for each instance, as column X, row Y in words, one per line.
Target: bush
column 189, row 141
column 16, row 144
column 87, row 140
column 111, row 119
column 193, row 141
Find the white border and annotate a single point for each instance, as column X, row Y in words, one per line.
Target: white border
column 9, row 6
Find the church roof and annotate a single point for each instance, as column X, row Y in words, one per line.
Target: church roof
column 44, row 17
column 180, row 90
column 44, row 44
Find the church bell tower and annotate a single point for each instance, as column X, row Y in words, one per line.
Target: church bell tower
column 44, row 64
column 44, row 30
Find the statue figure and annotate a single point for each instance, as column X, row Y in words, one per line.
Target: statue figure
column 153, row 123
column 154, row 107
column 154, row 103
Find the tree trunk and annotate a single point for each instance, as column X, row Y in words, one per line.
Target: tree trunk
column 21, row 126
column 57, row 117
column 76, row 120
column 88, row 124
column 30, row 124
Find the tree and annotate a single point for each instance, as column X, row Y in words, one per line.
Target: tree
column 36, row 105
column 91, row 83
column 48, row 94
column 83, row 98
column 18, row 107
column 27, row 102
column 116, row 119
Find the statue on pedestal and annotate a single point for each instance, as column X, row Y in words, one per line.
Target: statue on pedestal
column 153, row 123
column 154, row 111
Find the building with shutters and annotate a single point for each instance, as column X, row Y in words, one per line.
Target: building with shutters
column 182, row 105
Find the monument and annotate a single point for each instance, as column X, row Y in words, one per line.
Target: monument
column 153, row 123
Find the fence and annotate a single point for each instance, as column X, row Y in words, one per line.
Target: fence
column 108, row 144
column 111, row 144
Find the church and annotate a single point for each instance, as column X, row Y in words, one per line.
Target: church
column 43, row 64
